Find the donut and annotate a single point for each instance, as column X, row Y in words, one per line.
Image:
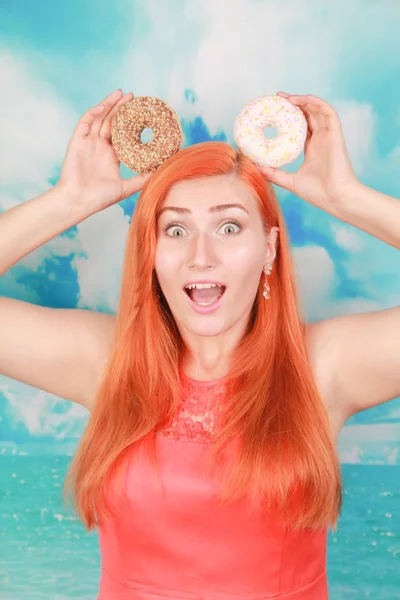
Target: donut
column 127, row 127
column 270, row 111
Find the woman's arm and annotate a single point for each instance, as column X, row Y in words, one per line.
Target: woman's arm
column 63, row 351
column 363, row 349
column 367, row 344
column 31, row 224
column 371, row 211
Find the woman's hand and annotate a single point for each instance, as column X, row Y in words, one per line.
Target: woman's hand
column 326, row 174
column 90, row 173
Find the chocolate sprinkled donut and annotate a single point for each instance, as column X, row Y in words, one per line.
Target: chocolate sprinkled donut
column 127, row 127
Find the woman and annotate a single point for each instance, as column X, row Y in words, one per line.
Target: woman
column 207, row 346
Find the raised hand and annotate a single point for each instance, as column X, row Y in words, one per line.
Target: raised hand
column 90, row 173
column 326, row 173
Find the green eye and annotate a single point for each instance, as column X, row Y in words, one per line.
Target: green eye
column 234, row 222
column 228, row 225
column 176, row 228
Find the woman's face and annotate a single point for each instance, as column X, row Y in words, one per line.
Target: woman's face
column 210, row 230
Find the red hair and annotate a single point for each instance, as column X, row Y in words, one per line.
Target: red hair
column 286, row 454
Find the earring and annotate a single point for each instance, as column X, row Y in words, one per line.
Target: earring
column 267, row 271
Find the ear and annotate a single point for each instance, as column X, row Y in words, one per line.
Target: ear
column 272, row 245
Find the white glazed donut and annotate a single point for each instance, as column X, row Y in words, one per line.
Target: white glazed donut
column 270, row 111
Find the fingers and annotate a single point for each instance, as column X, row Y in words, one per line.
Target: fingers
column 105, row 130
column 278, row 177
column 310, row 117
column 135, row 184
column 87, row 120
column 109, row 104
column 319, row 113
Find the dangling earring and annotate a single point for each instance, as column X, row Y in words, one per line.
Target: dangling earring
column 267, row 271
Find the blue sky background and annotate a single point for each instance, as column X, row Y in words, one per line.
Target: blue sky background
column 207, row 61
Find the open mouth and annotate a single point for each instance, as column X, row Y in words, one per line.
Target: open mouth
column 205, row 294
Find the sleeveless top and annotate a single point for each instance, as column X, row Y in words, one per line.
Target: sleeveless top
column 177, row 541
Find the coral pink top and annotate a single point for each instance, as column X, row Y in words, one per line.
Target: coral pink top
column 178, row 541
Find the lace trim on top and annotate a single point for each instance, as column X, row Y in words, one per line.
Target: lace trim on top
column 197, row 420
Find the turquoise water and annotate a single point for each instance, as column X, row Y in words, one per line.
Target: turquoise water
column 45, row 552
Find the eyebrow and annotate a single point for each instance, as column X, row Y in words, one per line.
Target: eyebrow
column 212, row 209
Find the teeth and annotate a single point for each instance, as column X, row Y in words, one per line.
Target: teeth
column 201, row 286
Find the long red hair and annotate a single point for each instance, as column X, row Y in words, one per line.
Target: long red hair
column 274, row 414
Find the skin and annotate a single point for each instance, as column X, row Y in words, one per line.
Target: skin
column 209, row 245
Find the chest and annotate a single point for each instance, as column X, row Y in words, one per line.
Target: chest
column 199, row 416
column 173, row 537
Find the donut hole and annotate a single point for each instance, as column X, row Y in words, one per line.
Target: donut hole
column 146, row 136
column 270, row 132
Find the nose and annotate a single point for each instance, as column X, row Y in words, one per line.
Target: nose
column 202, row 252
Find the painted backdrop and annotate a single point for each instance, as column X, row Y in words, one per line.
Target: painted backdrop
column 207, row 58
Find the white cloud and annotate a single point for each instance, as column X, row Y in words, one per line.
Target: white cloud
column 253, row 48
column 35, row 409
column 234, row 55
column 102, row 240
column 380, row 432
column 359, row 130
column 316, row 280
column 315, row 274
column 370, row 444
column 35, row 124
column 391, row 454
column 352, row 456
column 347, row 237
